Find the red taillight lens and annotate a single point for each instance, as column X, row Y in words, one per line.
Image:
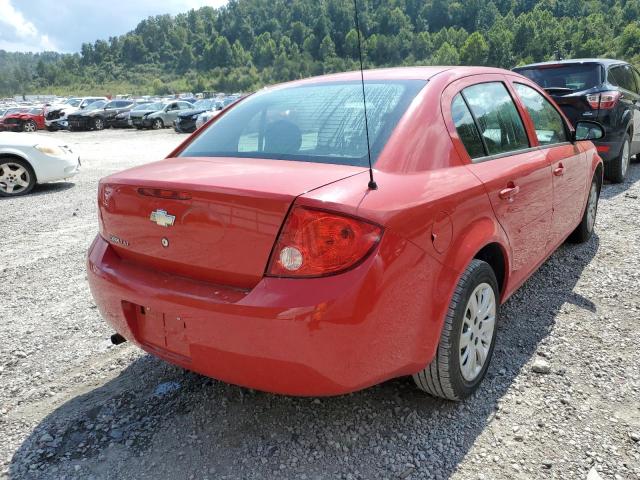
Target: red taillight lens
column 604, row 100
column 314, row 243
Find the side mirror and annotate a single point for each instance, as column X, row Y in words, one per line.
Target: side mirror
column 588, row 130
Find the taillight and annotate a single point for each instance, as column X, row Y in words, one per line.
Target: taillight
column 603, row 100
column 314, row 243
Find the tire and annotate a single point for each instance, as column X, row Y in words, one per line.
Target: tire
column 98, row 123
column 584, row 230
column 616, row 169
column 16, row 177
column 29, row 126
column 450, row 375
column 157, row 124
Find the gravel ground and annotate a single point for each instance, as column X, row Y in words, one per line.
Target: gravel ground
column 561, row 399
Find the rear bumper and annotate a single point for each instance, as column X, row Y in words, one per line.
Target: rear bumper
column 610, row 150
column 324, row 336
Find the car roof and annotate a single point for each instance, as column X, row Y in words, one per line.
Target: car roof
column 606, row 62
column 397, row 73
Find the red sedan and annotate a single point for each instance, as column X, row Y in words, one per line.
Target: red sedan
column 23, row 120
column 257, row 254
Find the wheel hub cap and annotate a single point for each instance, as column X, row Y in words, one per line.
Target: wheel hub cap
column 13, row 178
column 477, row 331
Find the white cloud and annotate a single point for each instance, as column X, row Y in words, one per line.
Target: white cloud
column 21, row 35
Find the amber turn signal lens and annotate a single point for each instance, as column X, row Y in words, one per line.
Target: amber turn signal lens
column 315, row 243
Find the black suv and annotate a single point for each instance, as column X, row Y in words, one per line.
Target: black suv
column 604, row 90
column 99, row 118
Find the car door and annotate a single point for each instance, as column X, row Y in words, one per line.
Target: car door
column 517, row 176
column 171, row 113
column 568, row 162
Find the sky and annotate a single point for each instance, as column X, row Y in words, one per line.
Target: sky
column 63, row 25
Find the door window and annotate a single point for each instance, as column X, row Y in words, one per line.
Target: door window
column 497, row 118
column 466, row 127
column 636, row 75
column 622, row 77
column 547, row 121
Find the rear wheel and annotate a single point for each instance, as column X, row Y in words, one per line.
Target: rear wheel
column 467, row 338
column 583, row 232
column 157, row 124
column 29, row 126
column 616, row 169
column 16, row 177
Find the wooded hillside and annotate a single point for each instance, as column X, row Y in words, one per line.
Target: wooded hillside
column 249, row 43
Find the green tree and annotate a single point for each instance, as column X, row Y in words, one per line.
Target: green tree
column 475, row 50
column 447, row 54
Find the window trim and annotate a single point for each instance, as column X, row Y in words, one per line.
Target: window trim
column 495, row 156
column 567, row 131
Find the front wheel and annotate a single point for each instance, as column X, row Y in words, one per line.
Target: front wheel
column 583, row 232
column 29, row 126
column 616, row 169
column 16, row 177
column 98, row 123
column 467, row 338
column 157, row 124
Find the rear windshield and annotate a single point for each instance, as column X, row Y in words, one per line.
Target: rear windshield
column 323, row 122
column 571, row 77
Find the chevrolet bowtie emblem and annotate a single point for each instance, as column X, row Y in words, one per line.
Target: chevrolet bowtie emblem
column 162, row 218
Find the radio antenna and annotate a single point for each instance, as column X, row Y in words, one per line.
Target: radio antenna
column 372, row 184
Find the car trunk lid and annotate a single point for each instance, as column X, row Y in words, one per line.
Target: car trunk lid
column 213, row 219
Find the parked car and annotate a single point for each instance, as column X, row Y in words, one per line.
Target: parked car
column 9, row 112
column 56, row 115
column 29, row 159
column 122, row 119
column 260, row 253
column 186, row 120
column 28, row 120
column 99, row 115
column 158, row 115
column 204, row 117
column 604, row 90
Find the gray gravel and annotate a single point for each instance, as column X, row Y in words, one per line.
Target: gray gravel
column 561, row 399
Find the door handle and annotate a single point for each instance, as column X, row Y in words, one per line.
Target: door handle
column 559, row 171
column 510, row 192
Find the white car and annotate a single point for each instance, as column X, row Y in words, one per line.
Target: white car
column 55, row 117
column 29, row 159
column 204, row 117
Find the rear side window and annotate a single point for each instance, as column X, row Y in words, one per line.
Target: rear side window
column 547, row 121
column 497, row 118
column 320, row 122
column 466, row 127
column 622, row 77
column 636, row 75
column 564, row 77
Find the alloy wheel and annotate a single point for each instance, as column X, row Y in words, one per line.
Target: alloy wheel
column 99, row 124
column 30, row 126
column 14, row 178
column 476, row 334
column 625, row 159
